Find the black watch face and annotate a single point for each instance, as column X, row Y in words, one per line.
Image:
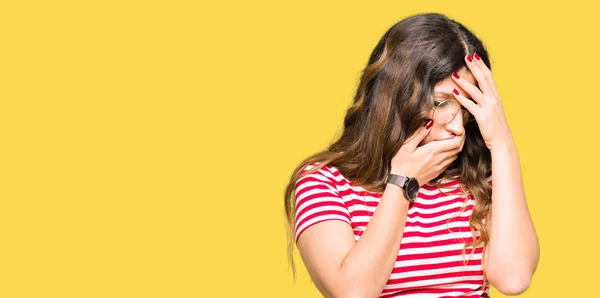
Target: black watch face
column 412, row 189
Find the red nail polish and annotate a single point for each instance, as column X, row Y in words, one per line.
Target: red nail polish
column 455, row 91
column 476, row 56
column 469, row 58
column 456, row 75
column 428, row 124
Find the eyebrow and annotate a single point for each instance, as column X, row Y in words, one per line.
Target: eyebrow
column 445, row 95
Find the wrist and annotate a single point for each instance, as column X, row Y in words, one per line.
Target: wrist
column 396, row 191
column 503, row 147
column 400, row 172
column 409, row 185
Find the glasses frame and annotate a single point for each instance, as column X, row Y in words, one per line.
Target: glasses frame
column 462, row 108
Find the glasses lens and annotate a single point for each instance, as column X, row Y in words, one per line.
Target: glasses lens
column 446, row 111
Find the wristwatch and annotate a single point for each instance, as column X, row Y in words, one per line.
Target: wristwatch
column 408, row 184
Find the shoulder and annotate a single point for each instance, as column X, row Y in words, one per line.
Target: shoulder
column 315, row 178
column 327, row 174
column 318, row 198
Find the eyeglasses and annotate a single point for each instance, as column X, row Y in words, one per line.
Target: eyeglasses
column 445, row 111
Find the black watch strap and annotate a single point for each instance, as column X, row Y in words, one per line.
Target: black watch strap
column 401, row 181
column 397, row 180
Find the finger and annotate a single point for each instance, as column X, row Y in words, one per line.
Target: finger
column 480, row 77
column 488, row 73
column 457, row 149
column 471, row 89
column 452, row 152
column 419, row 135
column 444, row 145
column 471, row 106
column 451, row 145
column 444, row 163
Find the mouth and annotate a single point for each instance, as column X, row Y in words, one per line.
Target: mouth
column 450, row 137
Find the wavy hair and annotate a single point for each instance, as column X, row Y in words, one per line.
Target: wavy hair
column 392, row 101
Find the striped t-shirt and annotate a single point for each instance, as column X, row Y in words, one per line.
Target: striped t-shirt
column 430, row 258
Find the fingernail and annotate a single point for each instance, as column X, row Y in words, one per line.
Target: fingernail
column 455, row 91
column 469, row 58
column 476, row 56
column 428, row 124
column 456, row 75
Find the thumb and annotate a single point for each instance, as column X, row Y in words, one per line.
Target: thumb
column 420, row 134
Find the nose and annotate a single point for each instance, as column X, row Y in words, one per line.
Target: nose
column 456, row 125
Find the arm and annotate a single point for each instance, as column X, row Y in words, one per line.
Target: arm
column 340, row 266
column 513, row 250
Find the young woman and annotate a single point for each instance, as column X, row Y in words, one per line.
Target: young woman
column 402, row 204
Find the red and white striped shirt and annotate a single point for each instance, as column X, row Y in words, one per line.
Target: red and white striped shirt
column 430, row 258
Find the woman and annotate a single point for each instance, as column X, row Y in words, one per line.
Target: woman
column 402, row 204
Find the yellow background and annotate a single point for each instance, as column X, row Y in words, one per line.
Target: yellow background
column 146, row 144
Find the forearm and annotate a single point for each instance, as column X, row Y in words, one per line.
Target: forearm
column 369, row 263
column 513, row 246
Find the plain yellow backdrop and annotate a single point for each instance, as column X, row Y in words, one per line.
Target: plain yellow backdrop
column 146, row 144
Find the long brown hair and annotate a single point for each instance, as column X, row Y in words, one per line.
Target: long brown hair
column 392, row 101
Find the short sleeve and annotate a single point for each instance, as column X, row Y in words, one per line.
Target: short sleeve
column 318, row 200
